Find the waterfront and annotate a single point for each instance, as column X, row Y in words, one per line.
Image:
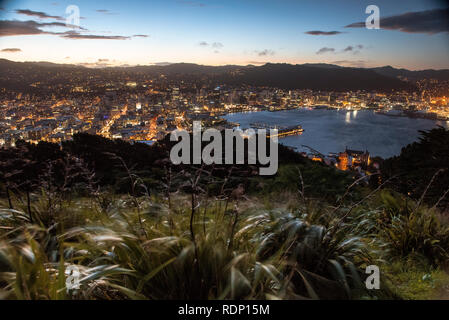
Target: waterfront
column 332, row 130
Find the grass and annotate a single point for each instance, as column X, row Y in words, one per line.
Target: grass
column 195, row 246
column 413, row 282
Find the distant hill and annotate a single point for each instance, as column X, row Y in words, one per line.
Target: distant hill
column 389, row 71
column 4, row 63
column 319, row 76
column 185, row 68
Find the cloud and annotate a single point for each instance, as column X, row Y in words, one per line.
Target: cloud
column 16, row 28
column 192, row 3
column 355, row 50
column 325, row 50
column 140, row 36
column 322, row 33
column 103, row 63
column 264, row 53
column 23, row 28
column 77, row 36
column 95, row 64
column 161, row 63
column 257, row 62
column 11, row 50
column 428, row 21
column 105, row 11
column 214, row 45
column 351, row 63
column 41, row 15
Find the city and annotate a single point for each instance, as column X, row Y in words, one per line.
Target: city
column 223, row 159
column 146, row 107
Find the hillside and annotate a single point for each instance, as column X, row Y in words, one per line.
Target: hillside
column 20, row 75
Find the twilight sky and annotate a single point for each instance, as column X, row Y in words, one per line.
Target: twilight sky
column 414, row 34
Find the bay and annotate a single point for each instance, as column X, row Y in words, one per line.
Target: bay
column 328, row 130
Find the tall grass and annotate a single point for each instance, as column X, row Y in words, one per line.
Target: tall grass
column 234, row 255
column 192, row 245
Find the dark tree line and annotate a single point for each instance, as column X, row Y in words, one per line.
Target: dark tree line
column 422, row 168
column 88, row 162
column 96, row 162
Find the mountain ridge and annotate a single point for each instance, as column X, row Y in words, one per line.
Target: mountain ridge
column 315, row 76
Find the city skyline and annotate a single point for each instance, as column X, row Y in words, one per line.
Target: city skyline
column 413, row 34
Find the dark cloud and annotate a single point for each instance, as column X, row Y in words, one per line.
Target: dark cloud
column 78, row 36
column 103, row 60
column 322, row 33
column 22, row 28
column 11, row 50
column 325, row 50
column 203, row 44
column 41, row 15
column 140, row 36
column 355, row 50
column 265, row 52
column 18, row 28
column 429, row 21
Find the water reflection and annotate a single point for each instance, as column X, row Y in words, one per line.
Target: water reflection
column 348, row 117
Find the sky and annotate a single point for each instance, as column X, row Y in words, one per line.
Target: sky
column 413, row 34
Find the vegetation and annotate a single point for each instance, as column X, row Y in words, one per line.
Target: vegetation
column 423, row 164
column 138, row 230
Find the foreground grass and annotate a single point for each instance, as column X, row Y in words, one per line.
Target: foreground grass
column 209, row 248
column 416, row 283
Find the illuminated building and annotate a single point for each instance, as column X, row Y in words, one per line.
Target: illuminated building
column 352, row 158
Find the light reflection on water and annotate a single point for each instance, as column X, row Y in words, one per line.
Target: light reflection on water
column 333, row 130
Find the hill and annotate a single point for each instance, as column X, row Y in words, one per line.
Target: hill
column 20, row 75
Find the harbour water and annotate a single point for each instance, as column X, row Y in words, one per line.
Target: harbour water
column 328, row 130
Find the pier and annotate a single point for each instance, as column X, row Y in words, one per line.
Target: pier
column 282, row 130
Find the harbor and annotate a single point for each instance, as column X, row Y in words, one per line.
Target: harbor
column 282, row 131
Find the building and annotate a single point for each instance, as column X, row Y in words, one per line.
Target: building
column 352, row 158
